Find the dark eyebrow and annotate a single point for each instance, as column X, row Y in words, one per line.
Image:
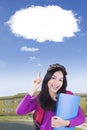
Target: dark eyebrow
column 56, row 76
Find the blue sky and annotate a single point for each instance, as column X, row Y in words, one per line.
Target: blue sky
column 37, row 33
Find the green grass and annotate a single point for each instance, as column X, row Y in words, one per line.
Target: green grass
column 78, row 129
column 16, row 118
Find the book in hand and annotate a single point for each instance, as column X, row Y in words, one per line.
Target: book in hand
column 67, row 108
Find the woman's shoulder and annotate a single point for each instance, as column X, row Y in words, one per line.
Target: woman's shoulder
column 69, row 92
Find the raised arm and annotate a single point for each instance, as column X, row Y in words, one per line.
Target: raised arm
column 29, row 102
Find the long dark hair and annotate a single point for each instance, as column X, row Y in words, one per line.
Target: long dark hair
column 44, row 98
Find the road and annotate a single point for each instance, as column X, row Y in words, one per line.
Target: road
column 15, row 126
column 23, row 126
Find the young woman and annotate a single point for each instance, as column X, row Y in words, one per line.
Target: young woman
column 44, row 104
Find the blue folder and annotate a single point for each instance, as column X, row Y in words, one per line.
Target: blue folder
column 67, row 108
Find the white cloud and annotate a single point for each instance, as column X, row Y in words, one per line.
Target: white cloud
column 44, row 23
column 27, row 49
column 33, row 58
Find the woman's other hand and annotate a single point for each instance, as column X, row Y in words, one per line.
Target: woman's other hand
column 57, row 122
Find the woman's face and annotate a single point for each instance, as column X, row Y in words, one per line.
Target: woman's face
column 55, row 83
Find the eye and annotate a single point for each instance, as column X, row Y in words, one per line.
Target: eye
column 53, row 77
column 61, row 80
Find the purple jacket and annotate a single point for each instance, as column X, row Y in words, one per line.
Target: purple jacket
column 29, row 104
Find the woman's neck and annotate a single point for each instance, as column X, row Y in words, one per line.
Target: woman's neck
column 53, row 96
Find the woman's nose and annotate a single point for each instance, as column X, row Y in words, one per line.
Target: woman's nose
column 56, row 82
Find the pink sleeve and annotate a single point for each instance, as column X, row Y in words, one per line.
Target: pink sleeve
column 26, row 105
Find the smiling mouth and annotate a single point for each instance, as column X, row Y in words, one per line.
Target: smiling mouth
column 55, row 87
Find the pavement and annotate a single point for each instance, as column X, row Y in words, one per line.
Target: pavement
column 23, row 126
column 15, row 126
